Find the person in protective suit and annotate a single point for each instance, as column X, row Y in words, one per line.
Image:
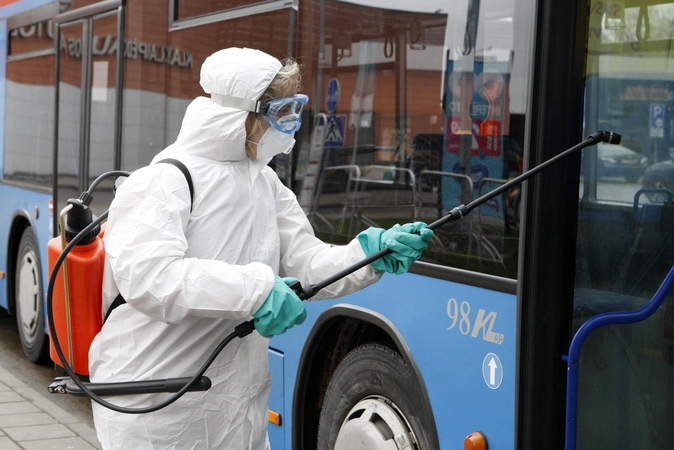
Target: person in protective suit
column 191, row 271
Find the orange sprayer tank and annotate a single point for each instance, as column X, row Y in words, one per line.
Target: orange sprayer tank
column 85, row 273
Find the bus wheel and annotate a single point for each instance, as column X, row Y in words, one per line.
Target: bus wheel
column 373, row 402
column 29, row 305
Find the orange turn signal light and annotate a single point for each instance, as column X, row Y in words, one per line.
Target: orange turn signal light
column 275, row 417
column 475, row 441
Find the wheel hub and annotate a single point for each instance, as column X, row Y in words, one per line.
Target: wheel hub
column 28, row 296
column 375, row 423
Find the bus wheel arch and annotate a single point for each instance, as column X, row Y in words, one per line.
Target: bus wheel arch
column 25, row 291
column 336, row 334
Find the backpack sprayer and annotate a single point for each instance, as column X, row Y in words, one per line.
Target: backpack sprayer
column 84, row 251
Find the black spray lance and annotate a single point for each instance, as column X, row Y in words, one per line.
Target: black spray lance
column 73, row 385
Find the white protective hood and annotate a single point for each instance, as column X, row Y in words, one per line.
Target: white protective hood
column 189, row 277
column 237, row 72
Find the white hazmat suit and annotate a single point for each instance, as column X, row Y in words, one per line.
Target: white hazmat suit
column 190, row 277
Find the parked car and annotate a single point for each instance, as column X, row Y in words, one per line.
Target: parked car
column 620, row 161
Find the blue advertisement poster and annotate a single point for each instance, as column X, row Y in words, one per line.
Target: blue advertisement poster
column 488, row 116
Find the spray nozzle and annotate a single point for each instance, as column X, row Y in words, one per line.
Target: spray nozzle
column 77, row 219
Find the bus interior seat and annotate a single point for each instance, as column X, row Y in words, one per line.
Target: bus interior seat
column 651, row 240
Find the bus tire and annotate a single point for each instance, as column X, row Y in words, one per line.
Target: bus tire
column 372, row 398
column 28, row 299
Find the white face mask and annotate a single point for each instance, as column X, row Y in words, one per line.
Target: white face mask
column 274, row 142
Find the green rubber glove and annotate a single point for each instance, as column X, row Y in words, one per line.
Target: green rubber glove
column 282, row 309
column 405, row 241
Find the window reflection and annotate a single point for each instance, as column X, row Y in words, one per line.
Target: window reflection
column 389, row 135
column 103, row 101
column 29, row 149
column 69, row 162
column 29, row 121
column 187, row 9
column 31, row 38
column 157, row 92
column 429, row 114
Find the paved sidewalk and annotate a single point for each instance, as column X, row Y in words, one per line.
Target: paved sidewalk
column 30, row 421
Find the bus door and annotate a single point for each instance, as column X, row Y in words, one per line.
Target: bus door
column 88, row 101
column 625, row 244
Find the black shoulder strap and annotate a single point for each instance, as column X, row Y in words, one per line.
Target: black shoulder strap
column 119, row 300
column 185, row 172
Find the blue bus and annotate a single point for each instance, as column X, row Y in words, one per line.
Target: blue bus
column 415, row 108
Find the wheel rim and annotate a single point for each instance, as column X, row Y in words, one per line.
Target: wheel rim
column 28, row 297
column 375, row 423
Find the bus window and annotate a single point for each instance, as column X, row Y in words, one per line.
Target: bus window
column 29, row 102
column 70, row 141
column 625, row 243
column 158, row 88
column 424, row 110
column 146, row 112
column 102, row 145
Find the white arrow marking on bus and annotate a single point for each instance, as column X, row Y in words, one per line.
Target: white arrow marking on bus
column 492, row 372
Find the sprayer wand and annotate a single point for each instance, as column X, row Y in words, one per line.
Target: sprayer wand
column 461, row 211
column 75, row 386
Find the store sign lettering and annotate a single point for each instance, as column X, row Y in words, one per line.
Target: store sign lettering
column 108, row 45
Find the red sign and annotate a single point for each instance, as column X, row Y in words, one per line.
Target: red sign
column 486, row 137
column 7, row 2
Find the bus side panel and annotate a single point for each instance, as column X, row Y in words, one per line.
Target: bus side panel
column 33, row 207
column 462, row 339
column 275, row 428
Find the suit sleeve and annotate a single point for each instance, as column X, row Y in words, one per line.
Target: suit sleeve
column 311, row 260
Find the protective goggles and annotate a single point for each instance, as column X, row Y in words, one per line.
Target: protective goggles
column 283, row 114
